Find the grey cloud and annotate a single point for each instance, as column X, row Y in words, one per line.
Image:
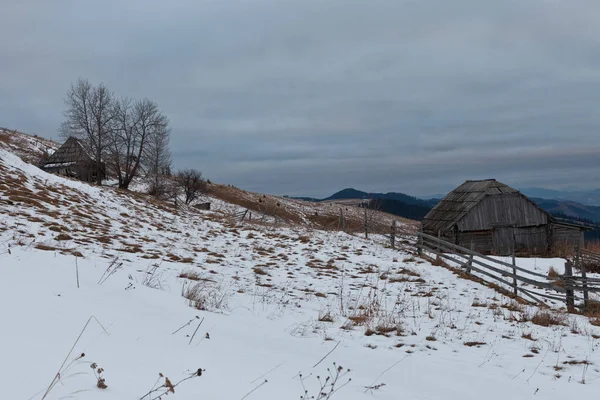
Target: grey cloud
column 305, row 97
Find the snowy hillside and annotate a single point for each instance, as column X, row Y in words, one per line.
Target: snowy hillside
column 32, row 149
column 263, row 309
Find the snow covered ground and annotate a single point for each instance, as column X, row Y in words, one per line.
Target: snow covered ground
column 28, row 147
column 272, row 308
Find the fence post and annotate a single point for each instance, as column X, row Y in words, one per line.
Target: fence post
column 366, row 224
column 469, row 264
column 420, row 241
column 342, row 222
column 514, row 263
column 568, row 286
column 393, row 235
column 581, row 265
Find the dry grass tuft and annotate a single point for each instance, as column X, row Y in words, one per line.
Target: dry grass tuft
column 474, row 344
column 547, row 318
column 478, row 303
column 528, row 336
column 553, row 274
column 360, row 319
column 41, row 246
column 593, row 309
column 259, row 271
column 304, row 239
column 578, row 362
column 206, row 296
column 326, row 317
column 191, row 275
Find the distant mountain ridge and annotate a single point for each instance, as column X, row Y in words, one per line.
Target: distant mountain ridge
column 394, row 203
column 351, row 193
column 415, row 208
column 587, row 198
column 570, row 209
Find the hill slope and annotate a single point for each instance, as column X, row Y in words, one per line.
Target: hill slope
column 266, row 308
column 32, row 149
column 588, row 198
column 357, row 194
column 570, row 209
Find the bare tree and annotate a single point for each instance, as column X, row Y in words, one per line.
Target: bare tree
column 89, row 115
column 192, row 183
column 134, row 125
column 156, row 161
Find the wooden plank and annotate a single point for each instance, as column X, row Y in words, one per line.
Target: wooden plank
column 544, row 295
column 570, row 294
column 505, row 283
column 503, row 273
column 572, row 283
column 467, row 251
column 586, row 279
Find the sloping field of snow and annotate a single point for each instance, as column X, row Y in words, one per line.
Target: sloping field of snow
column 29, row 148
column 272, row 307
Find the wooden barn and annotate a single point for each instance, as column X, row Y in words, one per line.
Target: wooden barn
column 490, row 217
column 74, row 160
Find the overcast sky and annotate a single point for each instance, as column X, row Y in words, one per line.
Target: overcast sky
column 307, row 97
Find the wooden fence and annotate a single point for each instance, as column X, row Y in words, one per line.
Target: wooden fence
column 589, row 260
column 523, row 282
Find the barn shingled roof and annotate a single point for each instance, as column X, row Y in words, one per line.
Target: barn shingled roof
column 460, row 201
column 69, row 153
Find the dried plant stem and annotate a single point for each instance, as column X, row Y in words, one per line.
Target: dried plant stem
column 77, row 272
column 166, row 387
column 198, row 327
column 184, row 325
column 326, row 355
column 255, row 389
column 389, row 368
column 266, row 373
column 60, row 370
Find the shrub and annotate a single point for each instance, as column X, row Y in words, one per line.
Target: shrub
column 192, row 183
column 547, row 318
column 206, row 296
column 191, row 275
column 553, row 273
column 326, row 317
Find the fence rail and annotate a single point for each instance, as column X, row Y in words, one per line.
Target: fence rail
column 590, row 260
column 523, row 282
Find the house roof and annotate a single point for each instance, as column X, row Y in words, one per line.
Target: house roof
column 460, row 201
column 71, row 152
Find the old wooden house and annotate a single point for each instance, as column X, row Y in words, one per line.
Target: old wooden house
column 74, row 160
column 490, row 217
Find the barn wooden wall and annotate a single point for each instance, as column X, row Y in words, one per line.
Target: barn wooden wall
column 480, row 242
column 499, row 241
column 528, row 240
column 506, row 209
column 564, row 234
